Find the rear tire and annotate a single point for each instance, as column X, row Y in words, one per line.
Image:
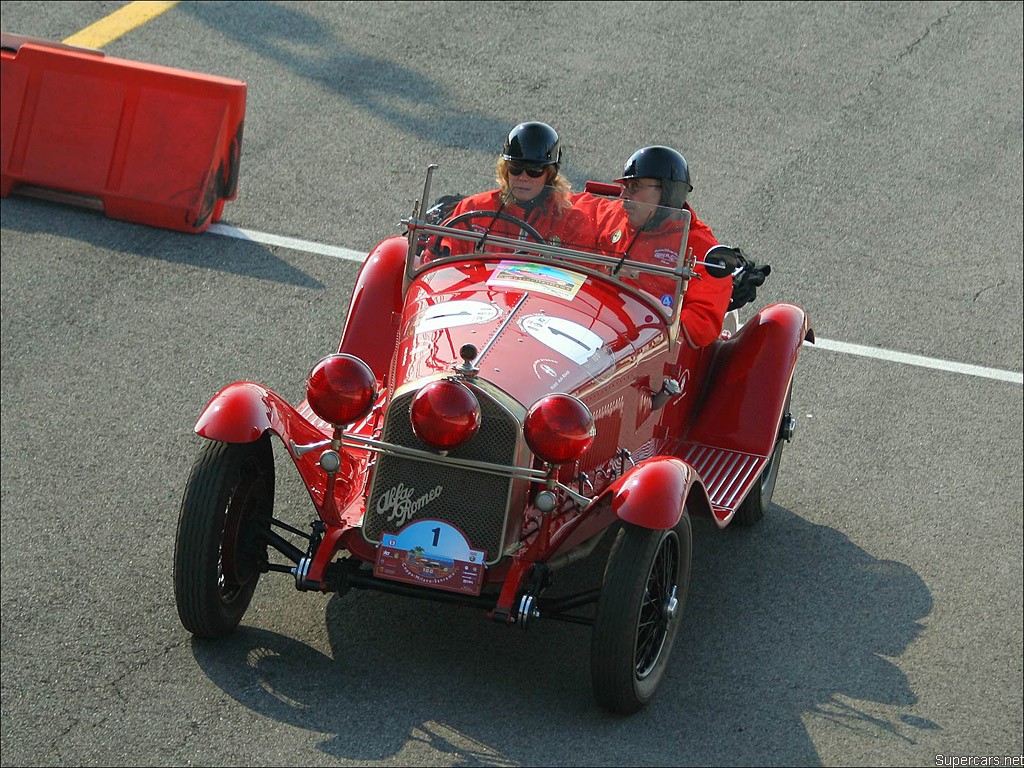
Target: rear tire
column 639, row 613
column 220, row 548
column 751, row 510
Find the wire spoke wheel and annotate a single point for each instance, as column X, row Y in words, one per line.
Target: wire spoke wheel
column 639, row 613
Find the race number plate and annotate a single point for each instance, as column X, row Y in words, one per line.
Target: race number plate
column 431, row 553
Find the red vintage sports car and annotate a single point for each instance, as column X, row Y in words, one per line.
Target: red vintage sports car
column 489, row 418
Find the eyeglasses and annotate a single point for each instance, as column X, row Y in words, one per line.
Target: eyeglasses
column 533, row 173
column 632, row 187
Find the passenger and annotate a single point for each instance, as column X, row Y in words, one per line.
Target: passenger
column 530, row 188
column 659, row 176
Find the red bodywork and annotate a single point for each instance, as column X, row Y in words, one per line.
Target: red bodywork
column 702, row 450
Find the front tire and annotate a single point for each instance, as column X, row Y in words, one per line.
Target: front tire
column 639, row 613
column 220, row 548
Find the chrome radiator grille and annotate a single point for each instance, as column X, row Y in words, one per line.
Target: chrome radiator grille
column 404, row 489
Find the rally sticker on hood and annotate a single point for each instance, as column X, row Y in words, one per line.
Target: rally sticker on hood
column 451, row 314
column 571, row 339
column 540, row 278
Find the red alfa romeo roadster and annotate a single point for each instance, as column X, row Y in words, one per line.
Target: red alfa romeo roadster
column 488, row 418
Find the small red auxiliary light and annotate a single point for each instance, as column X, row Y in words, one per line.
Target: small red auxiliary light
column 341, row 389
column 445, row 414
column 559, row 428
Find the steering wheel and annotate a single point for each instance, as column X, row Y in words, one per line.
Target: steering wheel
column 492, row 215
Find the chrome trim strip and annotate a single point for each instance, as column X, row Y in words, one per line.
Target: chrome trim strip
column 731, row 464
column 501, row 329
column 416, row 225
column 520, row 473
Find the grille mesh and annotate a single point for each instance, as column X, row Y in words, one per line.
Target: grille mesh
column 475, row 502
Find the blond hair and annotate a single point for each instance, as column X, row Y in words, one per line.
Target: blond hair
column 560, row 186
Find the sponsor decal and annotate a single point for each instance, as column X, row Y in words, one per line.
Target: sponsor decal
column 541, row 278
column 545, row 367
column 399, row 505
column 431, row 553
column 666, row 256
column 667, row 299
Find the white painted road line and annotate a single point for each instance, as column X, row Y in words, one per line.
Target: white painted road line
column 287, row 242
column 1012, row 377
column 922, row 362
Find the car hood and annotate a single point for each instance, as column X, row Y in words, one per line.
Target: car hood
column 537, row 329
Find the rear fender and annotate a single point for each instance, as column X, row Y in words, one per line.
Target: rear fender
column 371, row 328
column 653, row 493
column 748, row 380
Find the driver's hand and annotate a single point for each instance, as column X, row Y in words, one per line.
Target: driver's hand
column 430, row 254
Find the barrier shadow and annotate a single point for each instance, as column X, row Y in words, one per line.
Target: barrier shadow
column 204, row 250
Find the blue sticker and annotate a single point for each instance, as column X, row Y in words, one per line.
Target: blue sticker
column 667, row 299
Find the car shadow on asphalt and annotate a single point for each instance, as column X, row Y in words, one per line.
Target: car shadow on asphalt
column 784, row 621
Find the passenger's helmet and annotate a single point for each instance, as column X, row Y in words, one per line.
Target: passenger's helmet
column 664, row 164
column 532, row 143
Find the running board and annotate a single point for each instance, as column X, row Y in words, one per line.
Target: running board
column 727, row 475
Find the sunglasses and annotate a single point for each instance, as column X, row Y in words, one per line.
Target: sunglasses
column 632, row 187
column 533, row 173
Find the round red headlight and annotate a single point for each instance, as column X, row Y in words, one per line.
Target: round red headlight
column 341, row 389
column 559, row 428
column 445, row 414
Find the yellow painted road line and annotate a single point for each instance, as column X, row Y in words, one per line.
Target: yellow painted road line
column 120, row 22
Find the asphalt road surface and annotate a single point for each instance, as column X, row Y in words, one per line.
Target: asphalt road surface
column 871, row 152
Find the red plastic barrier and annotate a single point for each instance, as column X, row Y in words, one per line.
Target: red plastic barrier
column 144, row 143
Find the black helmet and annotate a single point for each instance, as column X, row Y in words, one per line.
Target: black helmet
column 533, row 143
column 662, row 163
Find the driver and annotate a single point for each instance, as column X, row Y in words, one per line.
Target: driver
column 530, row 188
column 652, row 177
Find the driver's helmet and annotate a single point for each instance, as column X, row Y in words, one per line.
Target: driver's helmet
column 532, row 143
column 664, row 164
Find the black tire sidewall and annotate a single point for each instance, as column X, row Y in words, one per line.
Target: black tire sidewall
column 217, row 472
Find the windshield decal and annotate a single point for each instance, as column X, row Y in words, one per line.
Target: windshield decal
column 540, row 278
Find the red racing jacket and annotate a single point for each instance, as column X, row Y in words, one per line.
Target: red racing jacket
column 706, row 299
column 559, row 226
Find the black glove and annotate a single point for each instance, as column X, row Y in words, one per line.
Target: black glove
column 746, row 282
column 442, row 208
column 437, row 213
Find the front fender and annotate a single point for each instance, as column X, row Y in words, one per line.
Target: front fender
column 653, row 493
column 243, row 411
column 748, row 381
